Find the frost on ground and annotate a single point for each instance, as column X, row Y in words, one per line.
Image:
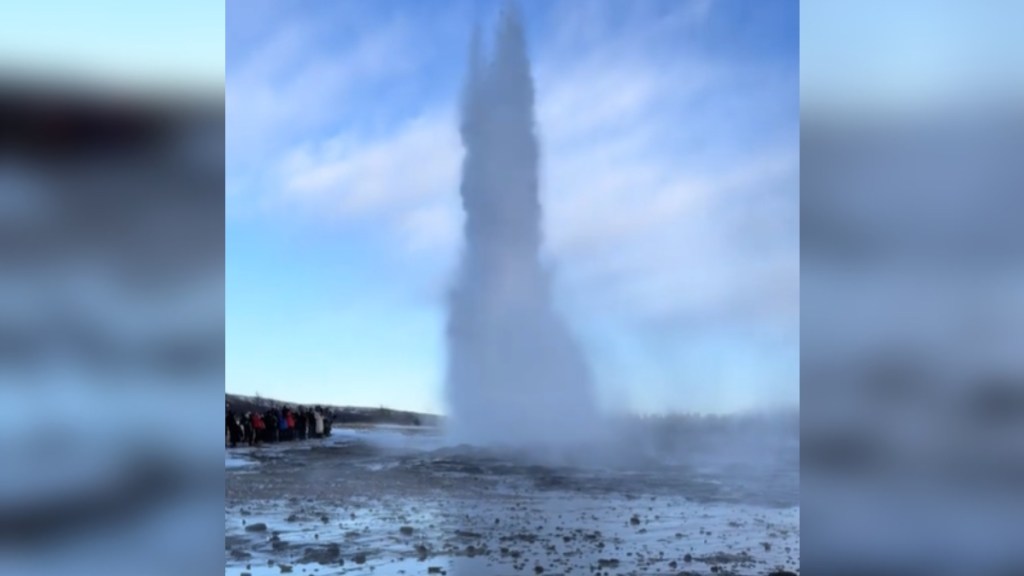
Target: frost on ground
column 393, row 501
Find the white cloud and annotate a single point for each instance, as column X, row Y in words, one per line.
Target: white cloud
column 290, row 85
column 416, row 164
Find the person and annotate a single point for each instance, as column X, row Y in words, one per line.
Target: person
column 290, row 417
column 272, row 425
column 282, row 424
column 319, row 419
column 234, row 430
column 301, row 424
column 257, row 428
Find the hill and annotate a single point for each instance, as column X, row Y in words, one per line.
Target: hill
column 342, row 414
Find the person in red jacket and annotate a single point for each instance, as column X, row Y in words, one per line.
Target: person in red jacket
column 291, row 424
column 258, row 427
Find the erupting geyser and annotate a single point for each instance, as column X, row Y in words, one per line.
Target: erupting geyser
column 515, row 375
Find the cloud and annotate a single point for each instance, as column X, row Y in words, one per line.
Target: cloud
column 296, row 81
column 417, row 163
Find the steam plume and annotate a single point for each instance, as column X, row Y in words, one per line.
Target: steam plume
column 515, row 374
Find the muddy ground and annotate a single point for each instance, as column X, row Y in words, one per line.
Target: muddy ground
column 396, row 501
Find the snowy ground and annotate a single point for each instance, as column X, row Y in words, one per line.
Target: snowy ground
column 392, row 501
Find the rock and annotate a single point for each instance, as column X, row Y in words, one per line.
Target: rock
column 635, row 520
column 359, row 558
column 240, row 555
column 538, row 569
column 688, row 558
column 325, row 555
column 292, row 518
column 781, row 573
column 608, row 563
column 433, row 570
column 406, row 530
column 285, row 568
column 257, row 527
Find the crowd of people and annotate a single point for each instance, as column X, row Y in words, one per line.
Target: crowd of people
column 278, row 424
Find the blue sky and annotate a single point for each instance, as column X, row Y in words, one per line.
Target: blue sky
column 670, row 142
column 157, row 42
column 910, row 55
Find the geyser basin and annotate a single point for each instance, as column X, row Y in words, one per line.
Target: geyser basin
column 363, row 502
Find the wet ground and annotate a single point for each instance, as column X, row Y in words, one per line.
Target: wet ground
column 392, row 501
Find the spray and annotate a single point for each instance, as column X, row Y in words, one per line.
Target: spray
column 515, row 375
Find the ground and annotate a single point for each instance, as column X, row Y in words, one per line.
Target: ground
column 395, row 500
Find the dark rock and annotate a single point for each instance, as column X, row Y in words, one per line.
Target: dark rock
column 688, row 558
column 725, row 558
column 781, row 573
column 359, row 558
column 322, row 555
column 285, row 569
column 434, row 570
column 257, row 527
column 608, row 563
column 406, row 530
column 635, row 520
column 538, row 569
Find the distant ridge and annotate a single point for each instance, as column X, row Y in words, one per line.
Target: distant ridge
column 342, row 414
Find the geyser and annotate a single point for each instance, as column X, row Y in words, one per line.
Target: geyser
column 515, row 375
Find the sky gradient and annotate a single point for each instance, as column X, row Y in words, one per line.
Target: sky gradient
column 169, row 44
column 670, row 162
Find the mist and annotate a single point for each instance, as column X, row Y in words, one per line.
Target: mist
column 515, row 374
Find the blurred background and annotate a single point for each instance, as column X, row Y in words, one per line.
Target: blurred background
column 912, row 292
column 111, row 297
column 112, row 291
